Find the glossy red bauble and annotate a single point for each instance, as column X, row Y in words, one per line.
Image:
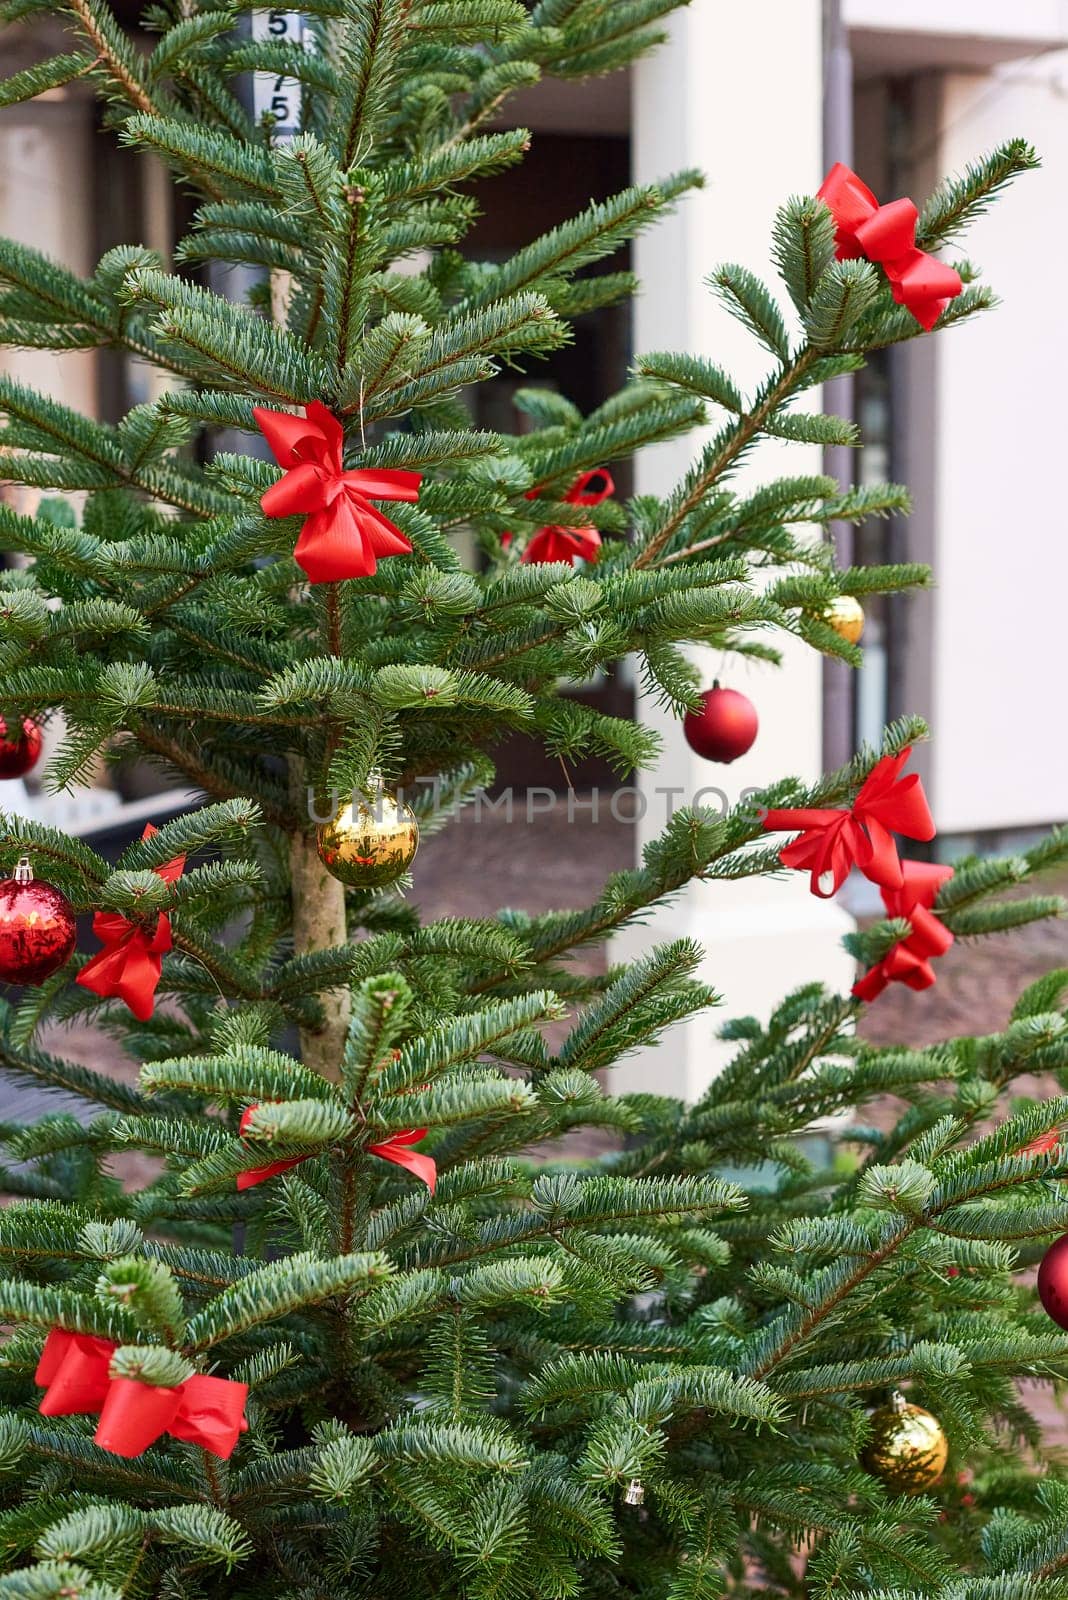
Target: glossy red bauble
column 37, row 929
column 1053, row 1282
column 18, row 751
column 724, row 728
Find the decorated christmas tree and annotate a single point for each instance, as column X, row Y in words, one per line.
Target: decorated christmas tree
column 373, row 1329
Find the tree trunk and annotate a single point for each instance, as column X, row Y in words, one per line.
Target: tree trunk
column 318, row 924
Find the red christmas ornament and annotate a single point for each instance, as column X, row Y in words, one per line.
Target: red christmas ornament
column 1053, row 1282
column 724, row 728
column 37, row 928
column 19, row 751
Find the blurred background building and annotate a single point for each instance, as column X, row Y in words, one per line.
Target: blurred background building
column 763, row 97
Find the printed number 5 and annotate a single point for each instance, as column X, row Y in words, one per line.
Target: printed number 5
column 278, row 23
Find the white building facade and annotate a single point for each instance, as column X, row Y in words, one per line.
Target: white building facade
column 764, row 97
column 970, row 420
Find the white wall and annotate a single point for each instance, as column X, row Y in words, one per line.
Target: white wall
column 1037, row 22
column 737, row 92
column 906, row 37
column 1000, row 541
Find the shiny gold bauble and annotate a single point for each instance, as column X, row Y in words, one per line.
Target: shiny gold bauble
column 370, row 842
column 907, row 1448
column 846, row 616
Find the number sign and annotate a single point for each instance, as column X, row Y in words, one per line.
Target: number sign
column 278, row 97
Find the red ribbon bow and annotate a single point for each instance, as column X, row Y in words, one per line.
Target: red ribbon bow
column 395, row 1149
column 831, row 842
column 343, row 532
column 131, row 961
column 887, row 236
column 75, row 1373
column 909, row 961
column 556, row 543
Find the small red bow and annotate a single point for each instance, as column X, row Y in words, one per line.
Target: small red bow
column 887, row 236
column 909, row 961
column 131, row 961
column 556, row 543
column 75, row 1373
column 343, row 532
column 394, row 1149
column 831, row 842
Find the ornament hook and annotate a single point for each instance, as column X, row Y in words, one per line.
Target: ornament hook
column 23, row 870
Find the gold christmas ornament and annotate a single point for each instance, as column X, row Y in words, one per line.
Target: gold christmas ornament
column 371, row 841
column 846, row 616
column 907, row 1448
column 635, row 1493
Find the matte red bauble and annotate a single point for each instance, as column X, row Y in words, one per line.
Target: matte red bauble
column 37, row 929
column 724, row 728
column 1053, row 1282
column 19, row 751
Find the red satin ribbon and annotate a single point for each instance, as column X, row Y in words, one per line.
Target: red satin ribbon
column 556, row 543
column 74, row 1371
column 395, row 1149
column 832, row 842
column 254, row 1175
column 886, row 235
column 909, row 961
column 1044, row 1144
column 343, row 533
column 131, row 961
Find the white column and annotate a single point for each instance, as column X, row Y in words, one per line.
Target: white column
column 737, row 91
column 46, row 198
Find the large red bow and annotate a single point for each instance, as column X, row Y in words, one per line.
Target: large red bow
column 909, row 961
column 75, row 1373
column 556, row 543
column 887, row 236
column 343, row 532
column 395, row 1149
column 131, row 961
column 831, row 842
